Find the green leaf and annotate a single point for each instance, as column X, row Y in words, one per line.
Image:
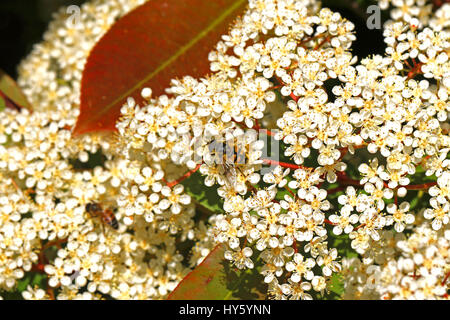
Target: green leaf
column 343, row 245
column 39, row 280
column 31, row 278
column 337, row 284
column 22, row 285
column 2, row 104
column 216, row 279
column 10, row 93
column 202, row 195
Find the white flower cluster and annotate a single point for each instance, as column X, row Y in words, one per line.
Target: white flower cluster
column 285, row 70
column 45, row 188
column 416, row 266
column 378, row 108
column 399, row 268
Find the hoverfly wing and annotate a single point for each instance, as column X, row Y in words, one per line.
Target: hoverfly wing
column 230, row 174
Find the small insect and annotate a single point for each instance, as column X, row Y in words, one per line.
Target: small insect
column 106, row 216
column 227, row 155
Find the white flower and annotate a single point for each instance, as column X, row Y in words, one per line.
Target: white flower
column 300, row 268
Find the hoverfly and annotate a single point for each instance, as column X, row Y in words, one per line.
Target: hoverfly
column 227, row 155
column 106, row 216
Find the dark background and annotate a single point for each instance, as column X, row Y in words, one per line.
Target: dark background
column 23, row 22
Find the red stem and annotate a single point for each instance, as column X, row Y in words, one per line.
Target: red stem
column 39, row 267
column 420, row 186
column 417, row 69
column 360, row 226
column 275, row 87
column 407, row 63
column 289, row 190
column 343, row 153
column 257, row 127
column 185, row 176
column 284, row 164
column 293, row 96
column 50, row 292
column 446, row 278
column 342, row 177
column 248, row 184
column 322, row 43
column 268, row 132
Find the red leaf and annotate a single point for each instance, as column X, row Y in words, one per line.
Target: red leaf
column 148, row 47
column 10, row 93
